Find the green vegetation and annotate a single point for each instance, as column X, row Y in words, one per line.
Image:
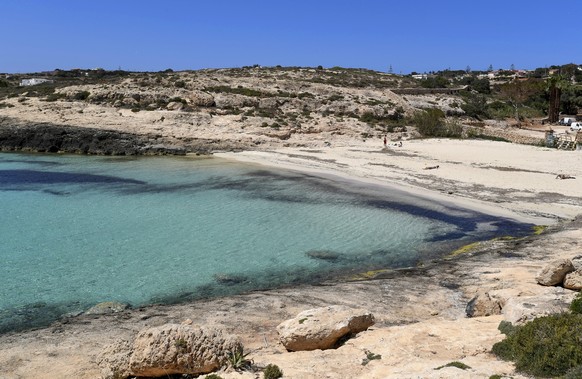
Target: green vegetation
column 465, row 249
column 576, row 305
column 539, row 229
column 456, row 364
column 272, row 372
column 432, row 123
column 81, row 95
column 370, row 357
column 213, row 376
column 238, row 359
column 547, row 346
column 181, row 344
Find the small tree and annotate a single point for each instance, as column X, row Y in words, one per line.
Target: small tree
column 554, row 86
column 517, row 92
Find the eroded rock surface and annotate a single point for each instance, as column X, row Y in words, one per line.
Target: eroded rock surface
column 321, row 328
column 483, row 305
column 573, row 280
column 166, row 350
column 519, row 310
column 554, row 272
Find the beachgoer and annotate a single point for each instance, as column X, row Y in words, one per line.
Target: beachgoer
column 385, row 141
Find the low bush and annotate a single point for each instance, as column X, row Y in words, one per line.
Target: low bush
column 432, row 123
column 457, row 364
column 547, row 346
column 272, row 372
column 576, row 304
column 81, row 95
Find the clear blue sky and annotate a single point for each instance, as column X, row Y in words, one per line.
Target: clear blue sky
column 411, row 35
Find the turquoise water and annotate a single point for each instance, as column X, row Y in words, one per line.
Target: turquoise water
column 78, row 230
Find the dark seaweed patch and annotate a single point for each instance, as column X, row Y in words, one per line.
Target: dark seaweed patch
column 24, row 177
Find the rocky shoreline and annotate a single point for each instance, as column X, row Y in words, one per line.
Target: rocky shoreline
column 404, row 302
column 51, row 138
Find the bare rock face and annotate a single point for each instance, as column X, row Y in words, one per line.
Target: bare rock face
column 321, row 328
column 167, row 350
column 483, row 305
column 573, row 280
column 577, row 262
column 174, row 106
column 554, row 273
column 520, row 310
column 114, row 360
column 201, row 99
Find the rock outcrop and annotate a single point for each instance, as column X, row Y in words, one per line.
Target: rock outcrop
column 519, row 310
column 54, row 138
column 167, row 350
column 483, row 305
column 321, row 328
column 573, row 280
column 555, row 272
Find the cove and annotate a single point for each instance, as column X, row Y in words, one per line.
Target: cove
column 79, row 230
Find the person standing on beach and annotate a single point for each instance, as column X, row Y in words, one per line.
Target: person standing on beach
column 385, row 141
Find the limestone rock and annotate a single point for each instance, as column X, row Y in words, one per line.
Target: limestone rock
column 201, row 99
column 106, row 308
column 179, row 349
column 573, row 280
column 321, row 328
column 483, row 305
column 554, row 272
column 577, row 262
column 174, row 106
column 166, row 350
column 519, row 310
column 114, row 360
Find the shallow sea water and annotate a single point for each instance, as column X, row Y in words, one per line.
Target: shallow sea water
column 78, row 230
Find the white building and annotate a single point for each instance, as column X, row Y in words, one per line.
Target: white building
column 34, row 81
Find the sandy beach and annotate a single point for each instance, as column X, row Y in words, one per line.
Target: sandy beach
column 503, row 178
column 421, row 323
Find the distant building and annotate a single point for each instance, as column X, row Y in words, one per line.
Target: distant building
column 420, row 76
column 33, row 82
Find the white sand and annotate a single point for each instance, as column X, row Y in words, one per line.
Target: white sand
column 502, row 178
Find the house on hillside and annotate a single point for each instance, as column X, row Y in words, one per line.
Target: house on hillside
column 33, row 82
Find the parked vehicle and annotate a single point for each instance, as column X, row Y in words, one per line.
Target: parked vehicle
column 576, row 126
column 566, row 121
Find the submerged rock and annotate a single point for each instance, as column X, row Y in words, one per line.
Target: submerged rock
column 324, row 255
column 230, row 279
column 107, row 307
column 321, row 328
